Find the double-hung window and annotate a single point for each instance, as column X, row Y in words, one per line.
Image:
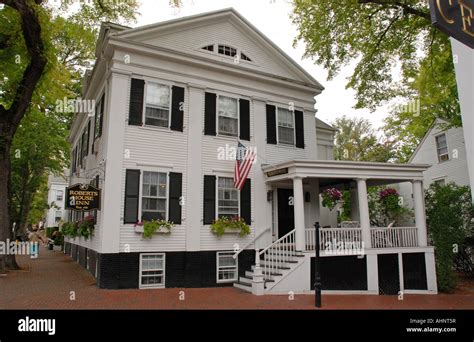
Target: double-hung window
column 286, row 127
column 227, row 267
column 442, row 147
column 228, row 120
column 158, row 99
column 154, row 190
column 152, row 270
column 228, row 198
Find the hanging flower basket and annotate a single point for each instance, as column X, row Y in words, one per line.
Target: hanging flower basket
column 331, row 197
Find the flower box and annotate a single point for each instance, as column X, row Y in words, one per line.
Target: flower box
column 149, row 228
column 161, row 230
column 230, row 225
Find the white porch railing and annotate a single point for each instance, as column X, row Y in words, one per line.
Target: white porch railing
column 276, row 255
column 382, row 237
column 350, row 236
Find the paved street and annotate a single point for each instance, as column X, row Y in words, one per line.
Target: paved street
column 47, row 282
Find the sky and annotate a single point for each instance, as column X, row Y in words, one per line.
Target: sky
column 272, row 18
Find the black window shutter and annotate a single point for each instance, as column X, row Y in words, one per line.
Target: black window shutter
column 175, row 192
column 88, row 136
column 74, row 151
column 177, row 109
column 132, row 190
column 244, row 119
column 102, row 101
column 210, row 114
column 137, row 90
column 271, row 125
column 245, row 202
column 299, row 128
column 209, row 199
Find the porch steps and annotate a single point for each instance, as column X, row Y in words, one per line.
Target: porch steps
column 277, row 261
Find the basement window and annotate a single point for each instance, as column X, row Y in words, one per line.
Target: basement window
column 227, row 267
column 152, row 270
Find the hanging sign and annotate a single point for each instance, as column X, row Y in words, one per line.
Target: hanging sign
column 455, row 18
column 82, row 197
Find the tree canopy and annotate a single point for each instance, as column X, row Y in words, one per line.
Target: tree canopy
column 357, row 140
column 44, row 52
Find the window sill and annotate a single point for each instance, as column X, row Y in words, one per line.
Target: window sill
column 156, row 128
column 225, row 137
column 287, row 146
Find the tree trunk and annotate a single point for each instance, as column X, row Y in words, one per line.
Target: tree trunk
column 10, row 117
column 9, row 261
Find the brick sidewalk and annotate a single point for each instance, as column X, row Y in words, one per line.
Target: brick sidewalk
column 48, row 281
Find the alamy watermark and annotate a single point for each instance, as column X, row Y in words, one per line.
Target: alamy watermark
column 19, row 248
column 412, row 107
column 78, row 105
column 339, row 247
column 230, row 152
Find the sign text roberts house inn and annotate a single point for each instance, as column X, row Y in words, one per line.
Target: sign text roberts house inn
column 82, row 197
column 455, row 18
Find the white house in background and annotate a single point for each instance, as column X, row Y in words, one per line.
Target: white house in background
column 445, row 151
column 56, row 199
column 169, row 97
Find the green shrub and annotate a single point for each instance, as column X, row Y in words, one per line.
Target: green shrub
column 70, row 229
column 449, row 213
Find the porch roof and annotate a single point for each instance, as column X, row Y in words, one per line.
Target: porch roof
column 344, row 170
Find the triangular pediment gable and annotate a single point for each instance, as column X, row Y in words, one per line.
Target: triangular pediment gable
column 226, row 28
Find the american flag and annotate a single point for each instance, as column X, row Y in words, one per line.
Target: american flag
column 243, row 163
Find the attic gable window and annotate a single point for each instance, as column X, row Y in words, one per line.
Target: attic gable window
column 226, row 50
column 209, row 48
column 244, row 57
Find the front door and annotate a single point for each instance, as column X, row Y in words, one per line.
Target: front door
column 286, row 214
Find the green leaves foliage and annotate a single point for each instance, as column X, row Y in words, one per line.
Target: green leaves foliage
column 449, row 213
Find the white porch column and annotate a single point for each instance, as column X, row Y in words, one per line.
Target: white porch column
column 364, row 211
column 298, row 206
column 420, row 218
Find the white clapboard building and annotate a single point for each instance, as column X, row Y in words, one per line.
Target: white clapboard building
column 171, row 99
column 445, row 150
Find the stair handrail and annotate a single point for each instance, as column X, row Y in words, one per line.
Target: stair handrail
column 251, row 242
column 276, row 242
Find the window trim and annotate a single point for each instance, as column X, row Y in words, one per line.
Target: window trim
column 140, row 192
column 154, row 286
column 237, row 98
column 438, row 155
column 277, row 126
column 217, row 195
column 218, row 281
column 145, row 89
